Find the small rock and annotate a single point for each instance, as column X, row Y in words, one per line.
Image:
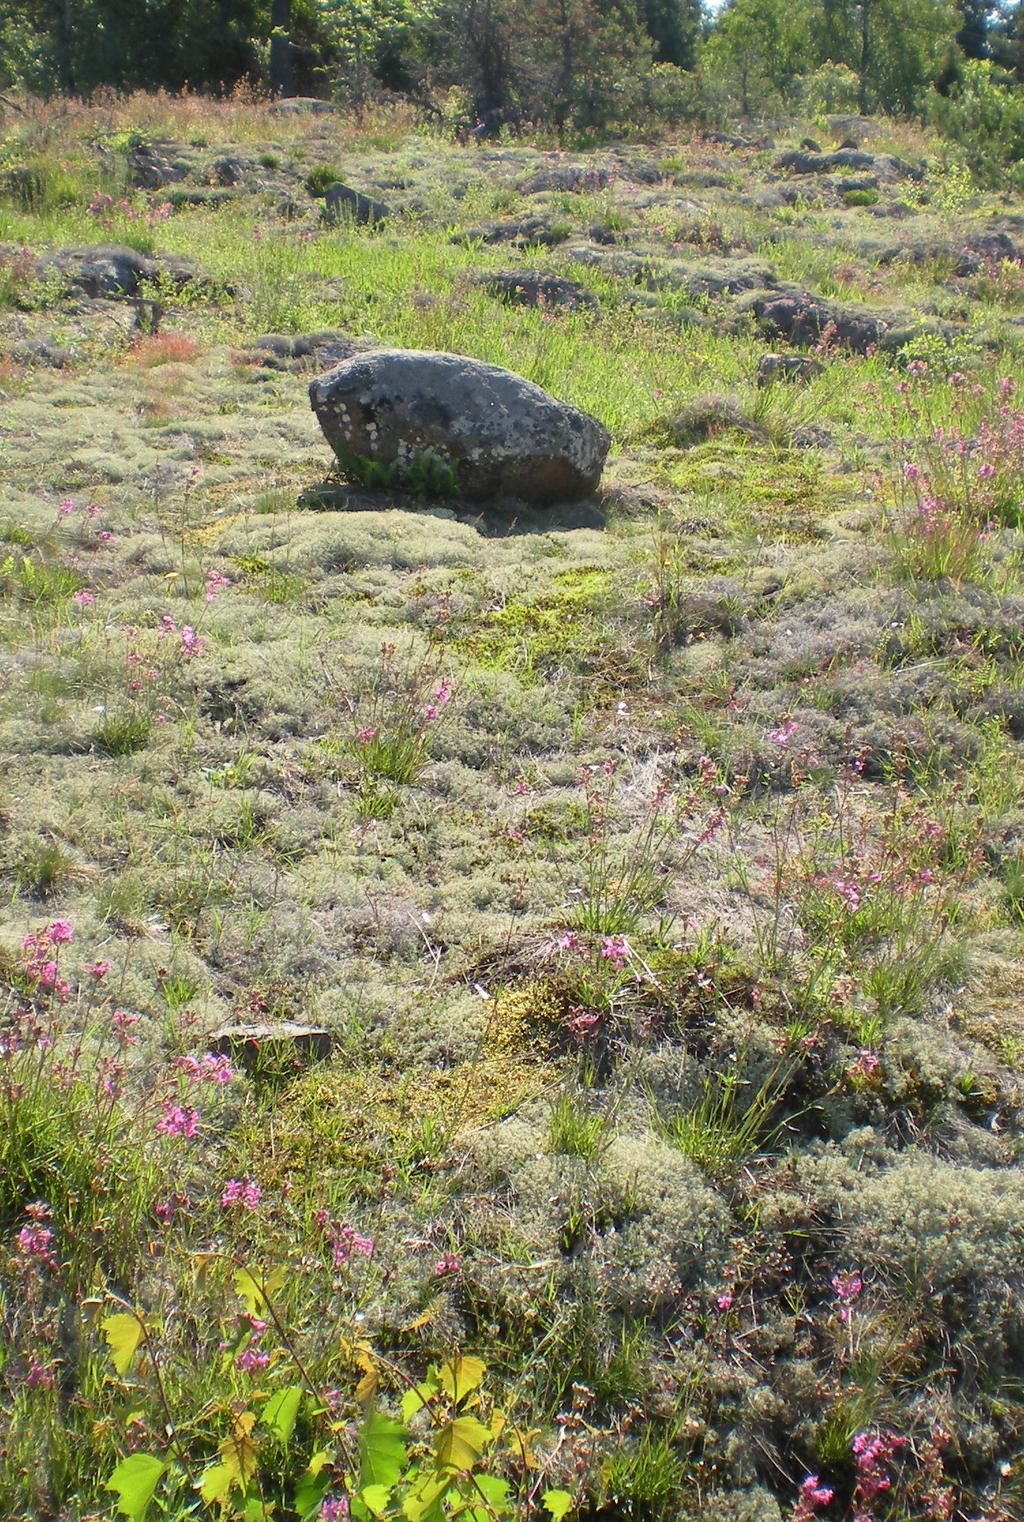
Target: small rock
column 532, row 288
column 500, row 434
column 791, row 367
column 343, row 203
column 252, row 1045
column 572, row 177
column 228, row 171
column 303, row 105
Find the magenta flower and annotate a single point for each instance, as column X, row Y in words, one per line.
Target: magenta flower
column 99, row 969
column 366, row 734
column 178, row 1120
column 61, row 932
column 215, row 581
column 192, row 644
column 724, row 1301
column 780, row 736
column 334, row 1509
column 345, row 1242
column 83, row 598
column 123, row 1023
column 449, row 1264
column 251, row 1358
column 615, row 949
column 245, row 1192
column 66, row 507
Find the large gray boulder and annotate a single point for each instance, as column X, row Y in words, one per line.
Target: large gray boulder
column 342, row 203
column 501, row 435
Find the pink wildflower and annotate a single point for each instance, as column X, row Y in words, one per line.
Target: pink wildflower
column 34, row 1246
column 104, row 535
column 864, row 1064
column 334, row 1509
column 124, row 1023
column 251, row 1358
column 449, row 1264
column 178, row 1120
column 569, row 941
column 61, row 932
column 615, row 948
column 780, row 736
column 83, row 598
column 245, row 1192
column 581, row 1021
column 191, row 643
column 66, row 508
column 366, row 734
column 167, row 624
column 847, row 1288
column 39, row 1376
column 346, row 1241
column 724, row 1301
column 812, row 1495
column 99, row 969
column 92, row 511
column 215, row 581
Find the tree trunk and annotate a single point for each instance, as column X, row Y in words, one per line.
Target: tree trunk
column 865, row 59
column 280, row 47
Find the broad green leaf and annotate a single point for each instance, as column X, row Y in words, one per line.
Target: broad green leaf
column 216, row 1484
column 461, row 1442
column 461, row 1376
column 254, row 1291
column 557, row 1502
column 281, row 1410
column 313, row 1484
column 134, row 1481
column 495, row 1492
column 381, row 1450
column 414, row 1400
column 256, row 1509
column 375, row 1497
column 123, row 1334
column 422, row 1502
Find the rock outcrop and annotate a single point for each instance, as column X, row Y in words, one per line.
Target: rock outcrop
column 500, row 435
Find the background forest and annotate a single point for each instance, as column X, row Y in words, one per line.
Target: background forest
column 576, row 66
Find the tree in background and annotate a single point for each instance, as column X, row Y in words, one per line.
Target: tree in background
column 756, row 50
column 674, row 27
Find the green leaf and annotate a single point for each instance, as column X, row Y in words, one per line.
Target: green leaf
column 461, row 1376
column 312, row 1485
column 557, row 1502
column 123, row 1334
column 414, row 1400
column 381, row 1450
column 375, row 1497
column 461, row 1442
column 281, row 1410
column 254, row 1291
column 495, row 1492
column 134, row 1480
column 216, row 1484
column 422, row 1502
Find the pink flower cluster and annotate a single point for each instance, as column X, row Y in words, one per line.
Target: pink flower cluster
column 42, row 951
column 442, row 696
column 243, row 1192
column 873, row 1453
column 343, row 1240
column 177, row 1120
column 811, row 1497
column 211, row 1067
column 215, row 582
column 847, row 1288
column 252, row 1356
column 615, row 949
column 34, row 1246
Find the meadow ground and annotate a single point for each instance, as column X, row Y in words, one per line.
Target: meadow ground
column 655, row 866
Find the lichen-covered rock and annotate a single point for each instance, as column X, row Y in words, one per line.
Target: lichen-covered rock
column 341, row 202
column 500, row 434
column 534, row 288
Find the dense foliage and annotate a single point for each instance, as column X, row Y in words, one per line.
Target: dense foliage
column 572, row 64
